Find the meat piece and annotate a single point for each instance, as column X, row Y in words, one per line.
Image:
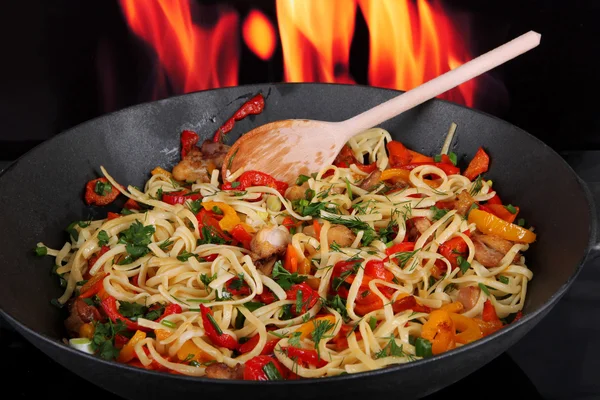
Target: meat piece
column 222, row 371
column 199, row 163
column 215, row 152
column 490, row 249
column 464, row 202
column 422, row 224
column 416, row 226
column 468, row 296
column 371, row 181
column 80, row 313
column 340, row 234
column 296, row 192
column 264, row 265
column 270, row 241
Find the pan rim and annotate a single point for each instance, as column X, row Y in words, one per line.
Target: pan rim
column 267, row 87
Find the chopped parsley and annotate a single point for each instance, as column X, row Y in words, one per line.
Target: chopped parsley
column 185, row 255
column 102, row 188
column 392, row 350
column 284, row 278
column 463, row 264
column 206, row 280
column 301, row 179
column 41, row 251
column 164, row 245
column 103, row 341
column 521, row 222
column 102, row 238
column 336, row 303
column 372, row 323
column 477, row 186
column 209, row 235
column 438, row 213
column 136, row 238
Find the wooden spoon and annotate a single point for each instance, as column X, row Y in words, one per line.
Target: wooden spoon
column 287, row 148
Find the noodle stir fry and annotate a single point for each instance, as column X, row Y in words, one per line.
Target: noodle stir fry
column 385, row 257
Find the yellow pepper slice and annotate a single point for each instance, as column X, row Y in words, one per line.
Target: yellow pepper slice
column 404, row 175
column 468, row 328
column 440, row 331
column 189, row 348
column 161, row 334
column 308, row 327
column 160, row 171
column 230, row 217
column 128, row 351
column 492, row 225
column 455, row 307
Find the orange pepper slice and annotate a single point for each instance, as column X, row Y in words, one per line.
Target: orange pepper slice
column 230, row 218
column 455, row 307
column 128, row 351
column 291, row 259
column 468, row 328
column 161, row 171
column 190, row 348
column 308, row 327
column 439, row 330
column 492, row 225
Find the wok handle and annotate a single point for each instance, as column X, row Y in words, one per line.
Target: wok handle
column 594, row 250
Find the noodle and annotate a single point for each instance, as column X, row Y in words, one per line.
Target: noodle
column 360, row 306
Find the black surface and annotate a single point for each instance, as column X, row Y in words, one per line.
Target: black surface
column 131, row 143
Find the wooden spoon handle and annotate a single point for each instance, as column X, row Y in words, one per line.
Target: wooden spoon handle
column 440, row 84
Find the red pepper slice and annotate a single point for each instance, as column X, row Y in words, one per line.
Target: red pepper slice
column 305, row 356
column 217, row 338
column 180, row 197
column 288, row 222
column 310, row 297
column 96, row 285
column 256, row 178
column 91, row 197
column 494, row 200
column 342, row 268
column 452, row 249
column 253, row 106
column 120, row 340
column 500, row 211
column 253, row 369
column 237, row 287
column 171, row 309
column 345, row 158
column 489, row 312
column 209, row 219
column 112, row 215
column 399, row 248
column 241, row 235
column 518, row 316
column 376, row 269
column 188, row 141
column 253, row 341
column 478, row 165
column 267, row 296
column 131, row 204
column 92, row 260
column 109, row 305
column 368, row 168
column 409, row 303
column 398, row 154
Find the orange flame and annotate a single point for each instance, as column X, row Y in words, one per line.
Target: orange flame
column 192, row 57
column 315, row 39
column 412, row 43
column 259, row 34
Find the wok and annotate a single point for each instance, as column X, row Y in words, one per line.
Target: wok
column 42, row 194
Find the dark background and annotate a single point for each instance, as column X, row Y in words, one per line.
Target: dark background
column 67, row 61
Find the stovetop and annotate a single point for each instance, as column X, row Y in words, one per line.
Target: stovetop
column 548, row 363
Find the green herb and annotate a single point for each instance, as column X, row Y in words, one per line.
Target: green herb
column 154, row 314
column 449, row 288
column 253, row 305
column 175, row 184
column 423, row 347
column 521, row 222
column 511, row 209
column 126, row 211
column 272, row 372
column 41, row 251
column 453, row 158
column 321, row 327
column 55, row 303
column 195, row 206
column 165, row 244
column 102, row 238
column 338, row 305
column 137, row 238
column 438, row 213
column 185, row 255
column 503, row 279
column 102, row 188
column 103, row 339
column 239, row 194
column 437, row 158
column 217, row 210
column 349, row 189
column 131, row 310
column 477, row 185
column 391, row 350
column 294, row 339
column 473, row 207
column 189, row 358
column 463, row 264
column 84, row 224
column 214, row 324
column 372, row 323
column 235, row 184
column 301, row 179
column 72, row 231
column 206, row 280
column 293, row 230
column 284, row 278
column 335, row 247
column 230, row 162
column 484, row 289
column 159, row 194
column 432, row 281
column 306, row 208
column 209, row 235
column 168, row 323
column 404, row 257
column 286, row 312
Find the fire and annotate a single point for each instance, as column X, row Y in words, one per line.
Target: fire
column 411, row 43
column 315, row 39
column 192, row 57
column 259, row 34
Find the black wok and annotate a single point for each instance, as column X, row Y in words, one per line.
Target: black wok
column 42, row 193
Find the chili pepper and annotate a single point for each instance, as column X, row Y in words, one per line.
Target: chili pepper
column 230, row 217
column 93, row 198
column 92, row 286
column 440, row 331
column 478, row 165
column 111, row 215
column 128, row 351
column 180, row 197
column 452, row 249
column 291, row 259
column 310, row 297
column 254, row 368
column 188, row 141
column 217, row 338
column 489, row 312
column 253, row 106
column 253, row 341
column 92, row 260
column 398, row 154
column 491, row 225
column 109, row 305
column 241, row 235
column 306, row 356
column 171, row 309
